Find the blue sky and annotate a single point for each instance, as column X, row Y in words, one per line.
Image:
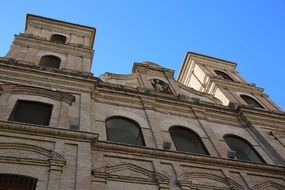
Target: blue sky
column 250, row 33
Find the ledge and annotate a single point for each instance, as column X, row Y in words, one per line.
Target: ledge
column 186, row 157
column 40, row 130
column 11, row 62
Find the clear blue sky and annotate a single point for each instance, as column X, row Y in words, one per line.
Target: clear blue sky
column 248, row 32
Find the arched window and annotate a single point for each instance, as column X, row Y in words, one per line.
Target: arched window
column 124, row 130
column 58, row 38
column 251, row 101
column 17, row 182
column 223, row 75
column 31, row 112
column 50, row 61
column 187, row 141
column 244, row 150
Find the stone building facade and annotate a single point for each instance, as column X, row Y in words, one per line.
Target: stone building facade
column 62, row 128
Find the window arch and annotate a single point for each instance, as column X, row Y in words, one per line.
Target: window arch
column 187, row 140
column 244, row 150
column 251, row 101
column 223, row 75
column 124, row 130
column 58, row 38
column 17, row 182
column 31, row 112
column 50, row 61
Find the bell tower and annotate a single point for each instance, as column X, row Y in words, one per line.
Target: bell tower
column 220, row 78
column 50, row 43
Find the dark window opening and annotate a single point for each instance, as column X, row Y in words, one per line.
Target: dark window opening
column 31, row 112
column 124, row 131
column 244, row 150
column 187, row 141
column 58, row 38
column 223, row 75
column 50, row 61
column 251, row 101
column 17, row 182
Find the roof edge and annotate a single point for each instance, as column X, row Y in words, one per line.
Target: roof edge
column 63, row 22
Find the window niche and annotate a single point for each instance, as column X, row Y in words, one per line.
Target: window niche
column 50, row 61
column 243, row 149
column 58, row 38
column 186, row 140
column 251, row 101
column 123, row 130
column 223, row 75
column 31, row 112
column 17, row 182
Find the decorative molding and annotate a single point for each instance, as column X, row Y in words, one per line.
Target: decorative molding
column 29, row 90
column 47, row 131
column 268, row 185
column 187, row 180
column 192, row 90
column 52, row 159
column 47, row 45
column 49, row 154
column 262, row 117
column 137, row 174
column 186, row 157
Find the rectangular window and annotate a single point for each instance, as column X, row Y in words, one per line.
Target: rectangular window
column 31, row 112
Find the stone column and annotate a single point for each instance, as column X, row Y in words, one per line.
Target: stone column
column 55, row 174
column 63, row 115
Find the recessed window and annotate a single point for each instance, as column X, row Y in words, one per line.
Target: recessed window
column 251, row 101
column 244, row 150
column 31, row 112
column 187, row 141
column 50, row 61
column 223, row 75
column 58, row 38
column 123, row 130
column 17, row 182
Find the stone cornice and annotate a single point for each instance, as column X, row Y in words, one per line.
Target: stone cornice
column 147, row 66
column 234, row 85
column 51, row 21
column 126, row 90
column 275, row 119
column 193, row 56
column 186, row 157
column 52, row 46
column 39, row 130
column 29, row 90
column 28, row 66
column 192, row 90
column 164, row 103
column 18, row 72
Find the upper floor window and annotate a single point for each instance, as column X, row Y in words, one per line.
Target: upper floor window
column 187, row 141
column 223, row 75
column 123, row 130
column 17, row 182
column 251, row 101
column 58, row 38
column 243, row 149
column 50, row 61
column 160, row 86
column 31, row 112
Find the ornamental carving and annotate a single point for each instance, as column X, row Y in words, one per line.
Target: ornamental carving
column 29, row 90
column 160, row 86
